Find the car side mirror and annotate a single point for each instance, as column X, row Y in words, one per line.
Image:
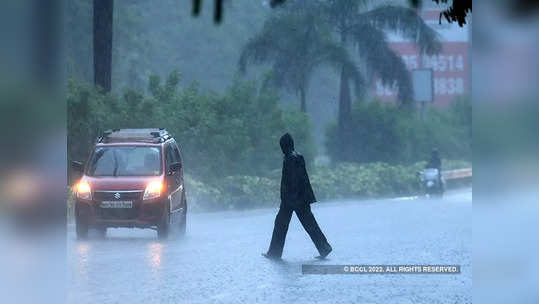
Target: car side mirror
column 175, row 167
column 77, row 166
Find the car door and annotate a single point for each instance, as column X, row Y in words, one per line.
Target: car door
column 180, row 173
column 172, row 178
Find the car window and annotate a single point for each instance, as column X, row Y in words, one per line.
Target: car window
column 169, row 155
column 177, row 154
column 125, row 161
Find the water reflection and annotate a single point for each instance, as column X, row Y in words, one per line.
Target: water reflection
column 82, row 257
column 155, row 251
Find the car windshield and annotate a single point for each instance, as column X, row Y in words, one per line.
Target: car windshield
column 125, row 161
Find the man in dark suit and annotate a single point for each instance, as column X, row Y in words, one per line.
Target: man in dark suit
column 296, row 195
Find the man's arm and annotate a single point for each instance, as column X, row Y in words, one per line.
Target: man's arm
column 306, row 190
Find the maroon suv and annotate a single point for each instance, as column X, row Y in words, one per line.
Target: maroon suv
column 133, row 178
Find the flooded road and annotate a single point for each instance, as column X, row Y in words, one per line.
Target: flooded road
column 219, row 260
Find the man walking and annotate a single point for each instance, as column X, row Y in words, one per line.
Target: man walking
column 296, row 195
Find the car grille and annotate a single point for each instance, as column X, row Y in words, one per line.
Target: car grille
column 118, row 213
column 124, row 195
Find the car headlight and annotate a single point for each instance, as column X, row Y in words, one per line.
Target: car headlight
column 84, row 191
column 153, row 190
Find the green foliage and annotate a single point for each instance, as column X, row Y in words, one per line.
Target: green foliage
column 363, row 24
column 236, row 133
column 233, row 192
column 368, row 180
column 342, row 181
column 295, row 42
column 156, row 36
column 229, row 139
column 380, row 132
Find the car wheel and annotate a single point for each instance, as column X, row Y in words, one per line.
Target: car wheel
column 183, row 217
column 163, row 227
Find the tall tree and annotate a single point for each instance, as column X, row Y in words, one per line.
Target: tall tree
column 296, row 43
column 357, row 24
column 102, row 28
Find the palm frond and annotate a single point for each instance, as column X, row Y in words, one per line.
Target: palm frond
column 407, row 23
column 379, row 58
column 342, row 12
column 338, row 57
column 263, row 46
column 296, row 42
column 256, row 51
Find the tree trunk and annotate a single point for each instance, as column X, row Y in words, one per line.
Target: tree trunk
column 47, row 47
column 103, row 15
column 303, row 101
column 345, row 108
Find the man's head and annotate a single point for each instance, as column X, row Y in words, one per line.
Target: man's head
column 434, row 152
column 287, row 143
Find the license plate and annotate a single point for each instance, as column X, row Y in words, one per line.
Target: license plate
column 116, row 204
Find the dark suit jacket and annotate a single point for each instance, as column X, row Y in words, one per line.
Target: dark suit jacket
column 296, row 190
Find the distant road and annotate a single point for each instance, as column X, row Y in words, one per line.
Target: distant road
column 219, row 260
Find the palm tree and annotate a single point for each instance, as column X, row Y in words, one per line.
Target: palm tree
column 102, row 30
column 357, row 25
column 295, row 42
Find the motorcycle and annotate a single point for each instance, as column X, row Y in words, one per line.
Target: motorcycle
column 432, row 183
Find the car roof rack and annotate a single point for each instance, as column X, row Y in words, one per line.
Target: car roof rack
column 153, row 135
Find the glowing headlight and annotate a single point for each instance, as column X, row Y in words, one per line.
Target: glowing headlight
column 153, row 190
column 84, row 191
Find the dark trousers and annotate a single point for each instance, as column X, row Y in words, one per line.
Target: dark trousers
column 309, row 223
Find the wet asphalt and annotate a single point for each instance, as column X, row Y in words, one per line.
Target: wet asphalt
column 219, row 260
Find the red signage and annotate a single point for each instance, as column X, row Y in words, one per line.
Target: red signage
column 450, row 67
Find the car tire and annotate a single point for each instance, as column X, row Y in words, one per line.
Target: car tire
column 82, row 229
column 164, row 226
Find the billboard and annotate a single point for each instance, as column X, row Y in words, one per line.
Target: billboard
column 450, row 68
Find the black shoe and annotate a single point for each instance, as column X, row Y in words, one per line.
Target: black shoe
column 270, row 256
column 325, row 253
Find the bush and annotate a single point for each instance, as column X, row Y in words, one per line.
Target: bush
column 345, row 180
column 369, row 180
column 230, row 141
column 381, row 132
column 234, row 192
column 220, row 135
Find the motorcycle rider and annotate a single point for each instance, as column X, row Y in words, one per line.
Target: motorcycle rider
column 436, row 163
